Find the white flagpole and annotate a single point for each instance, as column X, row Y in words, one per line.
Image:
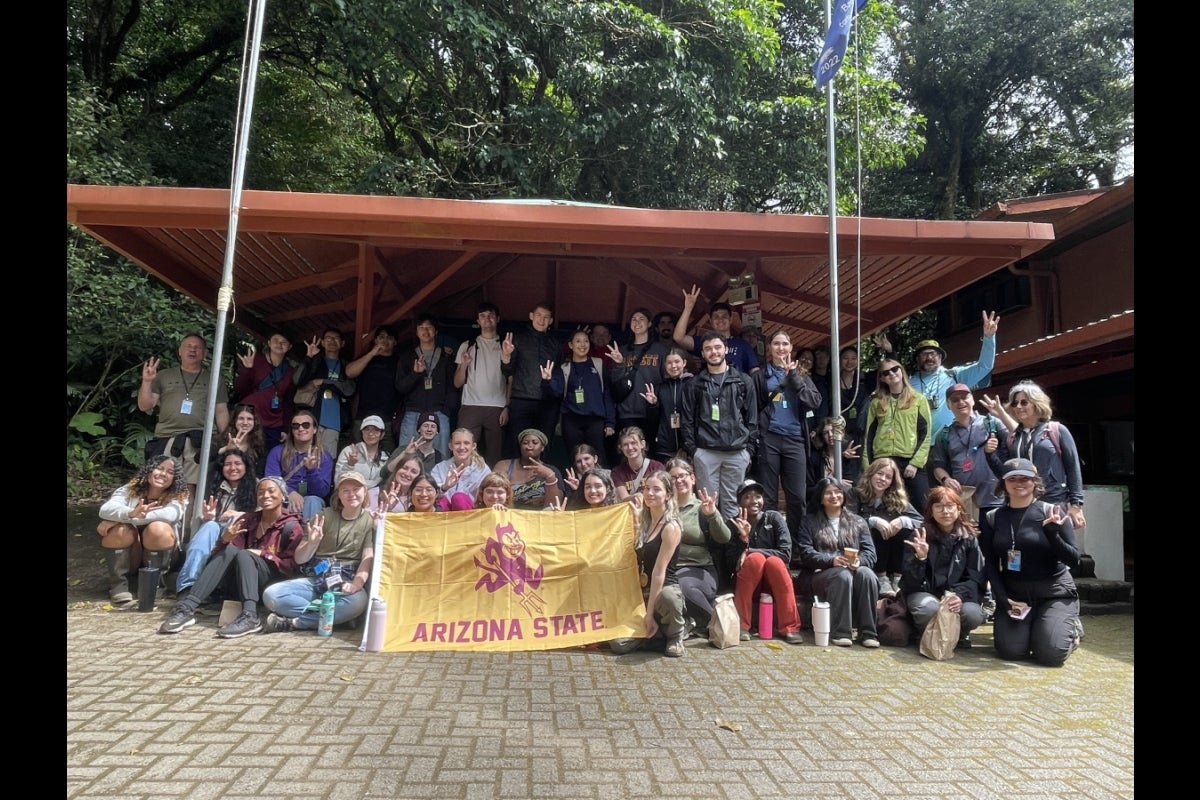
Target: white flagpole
column 250, row 50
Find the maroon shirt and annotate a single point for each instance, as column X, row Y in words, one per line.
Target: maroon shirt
column 276, row 547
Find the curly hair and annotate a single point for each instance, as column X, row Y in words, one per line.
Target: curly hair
column 895, row 496
column 139, row 484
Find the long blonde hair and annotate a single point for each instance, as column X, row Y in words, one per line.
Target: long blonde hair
column 883, row 395
column 670, row 508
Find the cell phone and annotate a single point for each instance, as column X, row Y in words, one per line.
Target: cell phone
column 1022, row 614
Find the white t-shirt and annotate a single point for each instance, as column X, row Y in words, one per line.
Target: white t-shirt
column 485, row 383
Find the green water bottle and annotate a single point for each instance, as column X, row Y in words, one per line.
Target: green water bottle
column 325, row 625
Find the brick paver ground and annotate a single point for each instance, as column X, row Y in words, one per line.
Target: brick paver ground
column 296, row 716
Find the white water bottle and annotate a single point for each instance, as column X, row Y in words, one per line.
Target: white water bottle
column 378, row 623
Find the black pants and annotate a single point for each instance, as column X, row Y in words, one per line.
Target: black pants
column 239, row 574
column 578, row 429
column 783, row 459
column 523, row 414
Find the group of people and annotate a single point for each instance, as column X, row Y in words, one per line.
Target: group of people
column 948, row 498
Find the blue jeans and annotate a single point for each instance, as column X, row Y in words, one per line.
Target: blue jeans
column 408, row 432
column 291, row 598
column 198, row 550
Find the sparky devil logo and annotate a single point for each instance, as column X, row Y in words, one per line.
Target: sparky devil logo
column 504, row 564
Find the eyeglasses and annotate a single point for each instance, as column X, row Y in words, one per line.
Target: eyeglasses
column 682, row 476
column 1022, row 403
column 891, row 371
column 945, row 507
column 301, row 426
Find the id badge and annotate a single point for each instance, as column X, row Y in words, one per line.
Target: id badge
column 302, row 489
column 675, row 420
column 186, row 406
column 579, row 397
column 852, row 413
column 1013, row 562
column 967, row 464
column 333, row 579
column 715, row 414
column 327, row 394
column 428, row 383
column 275, row 402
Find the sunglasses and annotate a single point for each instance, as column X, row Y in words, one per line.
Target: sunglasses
column 301, row 426
column 891, row 371
column 1022, row 403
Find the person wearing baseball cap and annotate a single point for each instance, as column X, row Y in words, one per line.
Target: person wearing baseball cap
column 368, row 458
column 1029, row 549
column 337, row 551
column 761, row 550
column 965, row 455
column 932, row 379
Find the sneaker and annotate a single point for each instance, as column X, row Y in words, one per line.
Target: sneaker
column 674, row 649
column 869, row 642
column 885, row 586
column 180, row 618
column 964, row 643
column 246, row 623
column 689, row 627
column 745, row 635
column 842, row 642
column 277, row 624
column 793, row 638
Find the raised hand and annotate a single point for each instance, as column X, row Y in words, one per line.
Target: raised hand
column 352, row 456
column 451, row 478
column 991, row 444
column 708, row 502
column 789, row 365
column 210, row 508
column 742, row 523
column 143, row 508
column 235, row 527
column 649, row 396
column 237, row 441
column 571, row 479
column 853, row 450
column 411, row 447
column 614, row 353
column 881, row 341
column 1054, row 515
column 315, row 529
column 466, row 358
column 991, row 322
column 918, row 543
column 557, row 504
column 313, row 347
column 150, row 370
column 690, row 298
column 507, row 347
column 541, row 469
column 547, row 370
column 247, row 358
column 635, row 500
column 992, row 404
column 418, row 365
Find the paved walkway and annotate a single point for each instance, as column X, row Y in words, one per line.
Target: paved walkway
column 295, row 716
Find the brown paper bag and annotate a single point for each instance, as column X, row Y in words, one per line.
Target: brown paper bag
column 941, row 634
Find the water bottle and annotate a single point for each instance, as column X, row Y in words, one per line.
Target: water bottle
column 766, row 616
column 378, row 623
column 325, row 626
column 148, row 579
column 820, row 618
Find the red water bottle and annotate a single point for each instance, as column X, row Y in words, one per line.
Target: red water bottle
column 766, row 616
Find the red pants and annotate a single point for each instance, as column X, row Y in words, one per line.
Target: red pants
column 760, row 573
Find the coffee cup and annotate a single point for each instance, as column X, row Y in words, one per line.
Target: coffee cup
column 851, row 555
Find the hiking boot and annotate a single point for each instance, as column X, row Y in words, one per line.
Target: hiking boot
column 674, row 649
column 180, row 618
column 118, row 565
column 246, row 623
column 277, row 624
column 625, row 644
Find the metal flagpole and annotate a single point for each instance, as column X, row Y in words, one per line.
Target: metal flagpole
column 250, row 50
column 835, row 386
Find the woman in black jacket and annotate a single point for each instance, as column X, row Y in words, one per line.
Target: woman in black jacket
column 944, row 556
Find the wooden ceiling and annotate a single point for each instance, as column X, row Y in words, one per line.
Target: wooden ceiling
column 304, row 262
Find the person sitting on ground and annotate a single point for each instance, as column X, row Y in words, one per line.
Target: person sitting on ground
column 880, row 498
column 635, row 463
column 392, row 498
column 836, row 556
column 583, row 458
column 257, row 549
column 420, row 446
column 367, row 457
column 534, row 484
column 657, row 548
column 423, row 495
column 233, row 486
column 141, row 523
column 458, row 477
column 337, row 552
column 760, row 553
column 595, row 490
column 702, row 530
column 306, row 469
column 943, row 556
column 495, row 492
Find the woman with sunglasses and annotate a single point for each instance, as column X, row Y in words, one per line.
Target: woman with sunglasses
column 305, row 468
column 1029, row 549
column 1045, row 441
column 899, row 426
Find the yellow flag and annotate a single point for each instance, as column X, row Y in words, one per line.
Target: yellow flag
column 509, row 580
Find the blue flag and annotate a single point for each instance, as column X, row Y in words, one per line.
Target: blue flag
column 834, row 49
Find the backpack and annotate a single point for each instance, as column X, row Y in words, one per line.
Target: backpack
column 991, row 514
column 944, row 434
column 1051, row 432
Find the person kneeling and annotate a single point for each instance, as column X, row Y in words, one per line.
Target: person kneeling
column 337, row 553
column 257, row 549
